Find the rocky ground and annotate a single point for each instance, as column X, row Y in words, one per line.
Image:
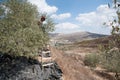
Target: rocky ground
column 22, row 68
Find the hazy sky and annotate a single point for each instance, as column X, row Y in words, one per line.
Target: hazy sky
column 77, row 15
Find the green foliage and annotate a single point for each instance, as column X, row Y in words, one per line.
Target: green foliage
column 111, row 60
column 20, row 35
column 1, row 11
column 110, row 56
column 91, row 60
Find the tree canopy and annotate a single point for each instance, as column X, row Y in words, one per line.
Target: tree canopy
column 20, row 35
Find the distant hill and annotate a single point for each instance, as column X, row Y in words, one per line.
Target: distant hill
column 96, row 42
column 75, row 37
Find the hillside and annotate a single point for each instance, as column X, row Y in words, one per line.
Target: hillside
column 72, row 65
column 70, row 58
column 75, row 37
column 96, row 42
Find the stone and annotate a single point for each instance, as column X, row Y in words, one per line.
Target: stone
column 22, row 68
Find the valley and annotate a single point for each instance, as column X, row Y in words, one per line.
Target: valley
column 70, row 58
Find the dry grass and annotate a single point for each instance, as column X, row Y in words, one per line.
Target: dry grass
column 71, row 60
column 72, row 66
column 71, row 63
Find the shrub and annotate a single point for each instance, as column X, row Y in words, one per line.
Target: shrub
column 110, row 60
column 91, row 60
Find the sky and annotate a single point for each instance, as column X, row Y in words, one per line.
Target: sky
column 77, row 15
column 81, row 15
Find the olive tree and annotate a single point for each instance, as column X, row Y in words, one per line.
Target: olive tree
column 20, row 35
column 110, row 57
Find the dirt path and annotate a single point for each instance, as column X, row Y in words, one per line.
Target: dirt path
column 71, row 63
column 72, row 66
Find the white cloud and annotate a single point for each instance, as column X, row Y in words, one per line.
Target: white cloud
column 96, row 18
column 61, row 16
column 67, row 27
column 43, row 6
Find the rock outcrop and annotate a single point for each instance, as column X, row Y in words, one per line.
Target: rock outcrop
column 22, row 68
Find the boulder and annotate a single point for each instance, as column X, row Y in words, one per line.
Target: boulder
column 22, row 68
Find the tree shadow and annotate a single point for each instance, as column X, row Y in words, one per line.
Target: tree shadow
column 23, row 68
column 12, row 67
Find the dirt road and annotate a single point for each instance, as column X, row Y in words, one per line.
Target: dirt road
column 72, row 66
